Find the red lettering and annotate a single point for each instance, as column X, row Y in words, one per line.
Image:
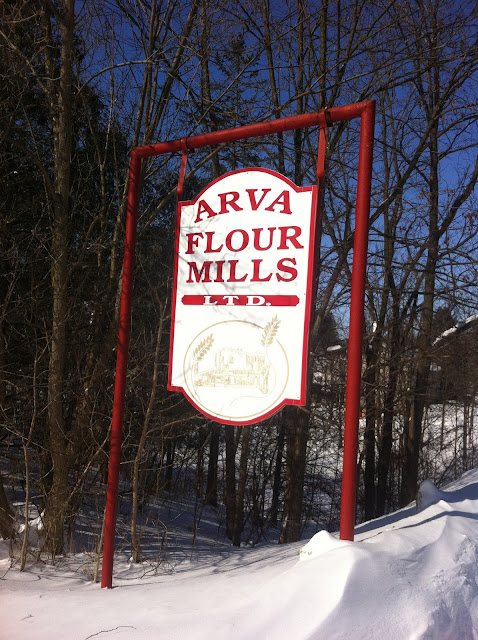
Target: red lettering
column 232, row 272
column 203, row 207
column 292, row 271
column 219, row 266
column 255, row 274
column 245, row 240
column 225, row 203
column 284, row 200
column 257, row 236
column 192, row 241
column 203, row 274
column 252, row 198
column 209, row 249
column 290, row 234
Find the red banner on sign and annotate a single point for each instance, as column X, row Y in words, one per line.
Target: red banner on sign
column 252, row 301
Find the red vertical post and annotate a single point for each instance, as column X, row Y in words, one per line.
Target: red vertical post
column 121, row 368
column 354, row 363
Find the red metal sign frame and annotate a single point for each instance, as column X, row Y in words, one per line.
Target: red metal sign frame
column 366, row 112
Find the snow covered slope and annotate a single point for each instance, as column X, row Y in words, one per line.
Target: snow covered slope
column 408, row 576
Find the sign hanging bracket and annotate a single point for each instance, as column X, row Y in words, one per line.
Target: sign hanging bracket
column 323, row 131
column 182, row 171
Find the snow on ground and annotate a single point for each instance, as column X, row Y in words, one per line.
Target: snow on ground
column 407, row 576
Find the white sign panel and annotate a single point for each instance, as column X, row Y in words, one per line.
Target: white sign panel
column 241, row 300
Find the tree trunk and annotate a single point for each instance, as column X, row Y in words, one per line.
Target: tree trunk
column 241, row 487
column 369, row 435
column 135, row 538
column 296, row 422
column 61, row 107
column 208, row 104
column 211, row 483
column 386, row 439
column 230, row 494
column 298, row 134
column 7, row 515
column 276, row 486
column 413, row 433
column 170, row 450
column 273, row 83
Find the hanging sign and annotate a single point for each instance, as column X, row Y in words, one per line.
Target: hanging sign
column 241, row 299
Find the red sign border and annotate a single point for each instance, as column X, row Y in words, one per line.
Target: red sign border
column 314, row 189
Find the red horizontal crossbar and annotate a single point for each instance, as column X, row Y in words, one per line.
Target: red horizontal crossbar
column 317, row 118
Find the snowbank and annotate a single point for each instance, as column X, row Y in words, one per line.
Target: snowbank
column 409, row 575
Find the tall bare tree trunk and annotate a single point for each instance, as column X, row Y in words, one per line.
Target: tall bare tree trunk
column 211, row 483
column 298, row 135
column 241, row 487
column 61, row 106
column 272, row 82
column 369, row 435
column 296, row 422
column 386, row 436
column 135, row 538
column 413, row 434
column 230, row 492
column 208, row 104
column 7, row 515
column 274, row 513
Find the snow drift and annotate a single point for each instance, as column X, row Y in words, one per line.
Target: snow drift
column 409, row 575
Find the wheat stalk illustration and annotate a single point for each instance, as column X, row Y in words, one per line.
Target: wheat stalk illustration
column 269, row 333
column 202, row 348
